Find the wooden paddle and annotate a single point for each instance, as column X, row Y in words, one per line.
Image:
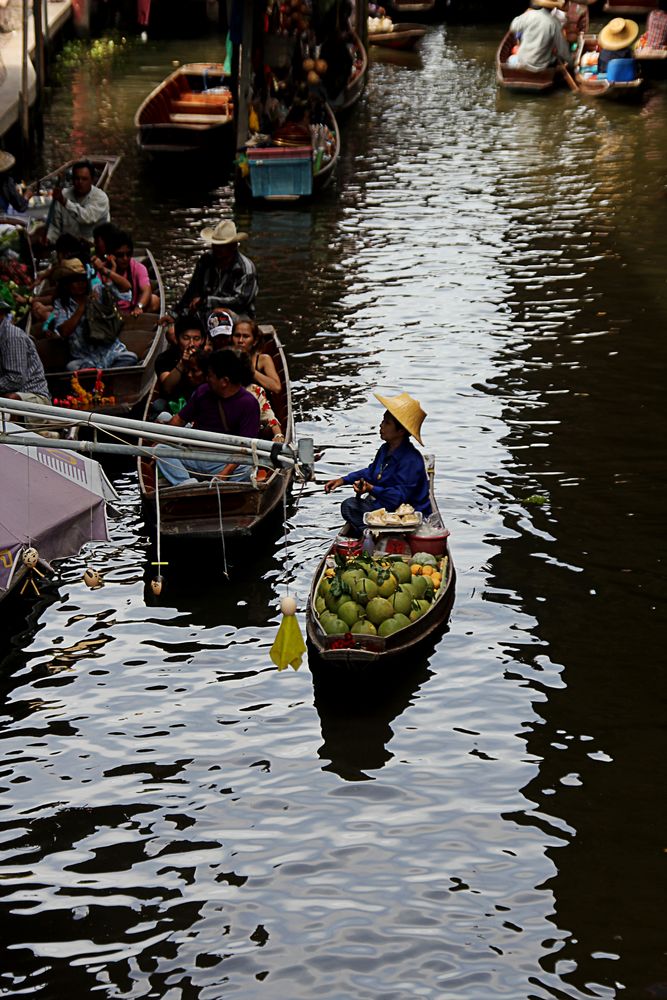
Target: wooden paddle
column 569, row 79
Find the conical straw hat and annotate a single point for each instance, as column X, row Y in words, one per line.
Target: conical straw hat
column 406, row 410
column 618, row 34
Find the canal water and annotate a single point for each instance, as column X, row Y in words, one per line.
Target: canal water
column 180, row 820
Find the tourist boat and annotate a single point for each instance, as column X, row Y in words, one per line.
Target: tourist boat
column 357, row 81
column 52, row 502
column 191, row 111
column 127, row 386
column 404, row 35
column 103, row 170
column 590, row 86
column 365, row 649
column 520, row 77
column 235, row 508
column 293, row 168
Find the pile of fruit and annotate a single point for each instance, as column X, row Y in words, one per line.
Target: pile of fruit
column 364, row 595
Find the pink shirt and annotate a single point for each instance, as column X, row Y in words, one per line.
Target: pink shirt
column 139, row 280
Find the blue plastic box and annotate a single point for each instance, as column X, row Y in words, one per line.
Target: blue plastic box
column 281, row 173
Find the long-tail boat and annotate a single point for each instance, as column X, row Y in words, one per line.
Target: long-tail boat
column 126, row 387
column 357, row 81
column 190, row 111
column 189, row 512
column 521, row 78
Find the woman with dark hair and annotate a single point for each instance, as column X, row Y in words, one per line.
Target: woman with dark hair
column 178, row 368
column 247, row 338
column 142, row 299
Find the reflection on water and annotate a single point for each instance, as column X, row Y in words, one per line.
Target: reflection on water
column 178, row 819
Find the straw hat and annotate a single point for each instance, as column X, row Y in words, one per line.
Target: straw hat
column 406, row 411
column 69, row 270
column 548, row 4
column 7, row 161
column 618, row 34
column 224, row 232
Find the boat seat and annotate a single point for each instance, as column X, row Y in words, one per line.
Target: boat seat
column 201, row 107
column 181, row 119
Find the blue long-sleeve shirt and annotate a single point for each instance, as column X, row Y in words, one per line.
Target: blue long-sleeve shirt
column 397, row 477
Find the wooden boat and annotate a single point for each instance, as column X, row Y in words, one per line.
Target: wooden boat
column 192, row 512
column 190, row 111
column 129, row 385
column 103, row 166
column 631, row 8
column 605, row 89
column 276, row 173
column 412, row 9
column 365, row 649
column 404, row 36
column 357, row 82
column 520, row 77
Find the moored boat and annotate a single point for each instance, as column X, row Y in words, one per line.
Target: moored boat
column 521, row 78
column 357, row 648
column 413, row 9
column 357, row 81
column 236, row 508
column 104, row 167
column 592, row 85
column 403, row 36
column 190, row 111
column 125, row 387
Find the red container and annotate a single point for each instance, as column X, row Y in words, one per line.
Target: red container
column 435, row 544
column 345, row 546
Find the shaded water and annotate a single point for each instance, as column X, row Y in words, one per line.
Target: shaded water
column 179, row 820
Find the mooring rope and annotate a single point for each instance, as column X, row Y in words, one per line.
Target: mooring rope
column 222, row 530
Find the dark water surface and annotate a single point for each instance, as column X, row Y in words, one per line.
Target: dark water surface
column 180, row 820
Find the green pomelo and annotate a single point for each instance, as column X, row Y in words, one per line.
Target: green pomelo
column 351, row 575
column 324, row 587
column 379, row 609
column 350, row 612
column 403, row 620
column 326, row 616
column 334, row 626
column 423, row 606
column 389, row 627
column 364, row 590
column 407, row 588
column 388, row 586
column 420, row 585
column 402, row 602
column 416, row 614
column 331, row 601
column 401, row 571
column 363, row 627
column 320, row 605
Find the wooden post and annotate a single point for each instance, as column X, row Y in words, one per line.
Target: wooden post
column 40, row 65
column 245, row 72
column 362, row 22
column 24, row 96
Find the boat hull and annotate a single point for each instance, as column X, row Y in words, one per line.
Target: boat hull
column 519, row 78
column 403, row 38
column 186, row 113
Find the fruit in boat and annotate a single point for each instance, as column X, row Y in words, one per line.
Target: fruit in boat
column 388, row 627
column 420, row 584
column 416, row 569
column 321, row 66
column 402, row 602
column 364, row 590
column 379, row 609
column 334, row 626
column 401, row 571
column 308, row 65
column 407, row 588
column 351, row 575
column 313, row 78
column 388, row 586
column 427, row 570
column 423, row 606
column 403, row 620
column 350, row 612
column 363, row 627
column 415, row 614
column 424, row 559
column 436, row 580
column 320, row 605
column 324, row 587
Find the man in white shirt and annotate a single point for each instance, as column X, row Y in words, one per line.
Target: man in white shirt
column 542, row 40
column 79, row 208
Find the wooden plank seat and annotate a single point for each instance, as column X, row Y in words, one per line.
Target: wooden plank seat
column 219, row 107
column 181, row 119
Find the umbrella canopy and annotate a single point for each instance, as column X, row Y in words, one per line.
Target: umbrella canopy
column 56, row 510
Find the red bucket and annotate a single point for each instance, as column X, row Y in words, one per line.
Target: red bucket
column 435, row 544
column 346, row 546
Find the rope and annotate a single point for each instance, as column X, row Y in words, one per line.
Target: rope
column 158, row 540
column 222, row 530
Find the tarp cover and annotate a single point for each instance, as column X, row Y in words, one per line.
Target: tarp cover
column 40, row 507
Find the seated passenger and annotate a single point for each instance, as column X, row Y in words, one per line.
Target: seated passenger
column 79, row 208
column 247, row 338
column 142, row 299
column 67, row 247
column 615, row 41
column 542, row 39
column 656, row 28
column 21, row 370
column 397, row 473
column 224, row 406
column 178, row 367
column 70, row 321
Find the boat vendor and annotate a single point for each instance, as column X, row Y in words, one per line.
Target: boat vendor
column 78, row 209
column 223, row 276
column 542, row 39
column 397, row 473
column 21, row 370
column 615, row 41
column 223, row 406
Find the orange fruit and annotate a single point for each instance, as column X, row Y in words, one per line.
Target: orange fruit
column 416, row 570
column 427, row 571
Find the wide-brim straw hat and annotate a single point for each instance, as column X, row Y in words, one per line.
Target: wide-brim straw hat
column 548, row 4
column 7, row 161
column 69, row 270
column 224, row 232
column 618, row 34
column 406, row 410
